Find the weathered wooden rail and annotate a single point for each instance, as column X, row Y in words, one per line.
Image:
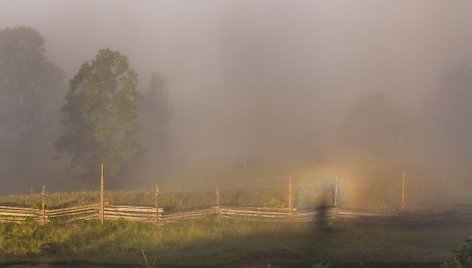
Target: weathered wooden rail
column 15, row 214
column 189, row 215
column 86, row 212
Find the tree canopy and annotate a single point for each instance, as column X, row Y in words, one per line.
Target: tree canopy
column 450, row 114
column 30, row 90
column 156, row 114
column 101, row 117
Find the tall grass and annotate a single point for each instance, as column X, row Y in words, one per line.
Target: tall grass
column 267, row 197
column 205, row 242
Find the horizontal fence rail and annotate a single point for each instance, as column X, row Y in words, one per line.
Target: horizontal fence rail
column 68, row 215
column 255, row 213
column 189, row 215
column 147, row 214
column 15, row 214
column 316, row 214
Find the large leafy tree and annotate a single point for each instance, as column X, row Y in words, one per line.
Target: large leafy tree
column 30, row 90
column 101, row 117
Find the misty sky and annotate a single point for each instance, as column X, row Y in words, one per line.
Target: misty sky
column 236, row 58
column 261, row 76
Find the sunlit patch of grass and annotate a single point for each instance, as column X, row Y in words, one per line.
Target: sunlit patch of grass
column 120, row 241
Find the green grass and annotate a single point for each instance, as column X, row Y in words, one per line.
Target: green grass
column 267, row 197
column 205, row 243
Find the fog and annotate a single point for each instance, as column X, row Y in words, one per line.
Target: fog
column 344, row 84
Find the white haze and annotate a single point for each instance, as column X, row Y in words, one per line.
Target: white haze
column 263, row 78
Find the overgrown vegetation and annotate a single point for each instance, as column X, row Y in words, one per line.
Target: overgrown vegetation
column 100, row 116
column 31, row 89
column 267, row 197
column 205, row 243
column 461, row 258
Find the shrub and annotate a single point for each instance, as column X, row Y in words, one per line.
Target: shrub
column 321, row 265
column 275, row 203
column 461, row 258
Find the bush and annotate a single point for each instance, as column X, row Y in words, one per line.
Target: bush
column 50, row 248
column 461, row 258
column 321, row 265
column 275, row 203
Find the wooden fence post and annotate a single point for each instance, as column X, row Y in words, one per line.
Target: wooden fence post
column 157, row 204
column 290, row 199
column 403, row 189
column 217, row 201
column 217, row 197
column 43, row 205
column 336, row 193
column 102, row 198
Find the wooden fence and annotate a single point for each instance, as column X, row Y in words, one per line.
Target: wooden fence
column 14, row 214
column 86, row 212
column 103, row 211
column 150, row 214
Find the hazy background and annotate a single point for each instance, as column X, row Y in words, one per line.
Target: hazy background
column 331, row 86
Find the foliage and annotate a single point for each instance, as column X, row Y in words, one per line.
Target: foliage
column 30, row 90
column 155, row 109
column 451, row 112
column 275, row 203
column 321, row 265
column 156, row 113
column 101, row 116
column 168, row 200
column 461, row 258
column 36, row 206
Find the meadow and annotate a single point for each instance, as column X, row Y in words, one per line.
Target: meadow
column 233, row 242
column 206, row 243
column 275, row 197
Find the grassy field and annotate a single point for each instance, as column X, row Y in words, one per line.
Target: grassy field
column 264, row 197
column 205, row 243
column 265, row 183
column 234, row 243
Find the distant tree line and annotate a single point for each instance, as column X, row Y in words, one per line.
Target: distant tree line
column 105, row 115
